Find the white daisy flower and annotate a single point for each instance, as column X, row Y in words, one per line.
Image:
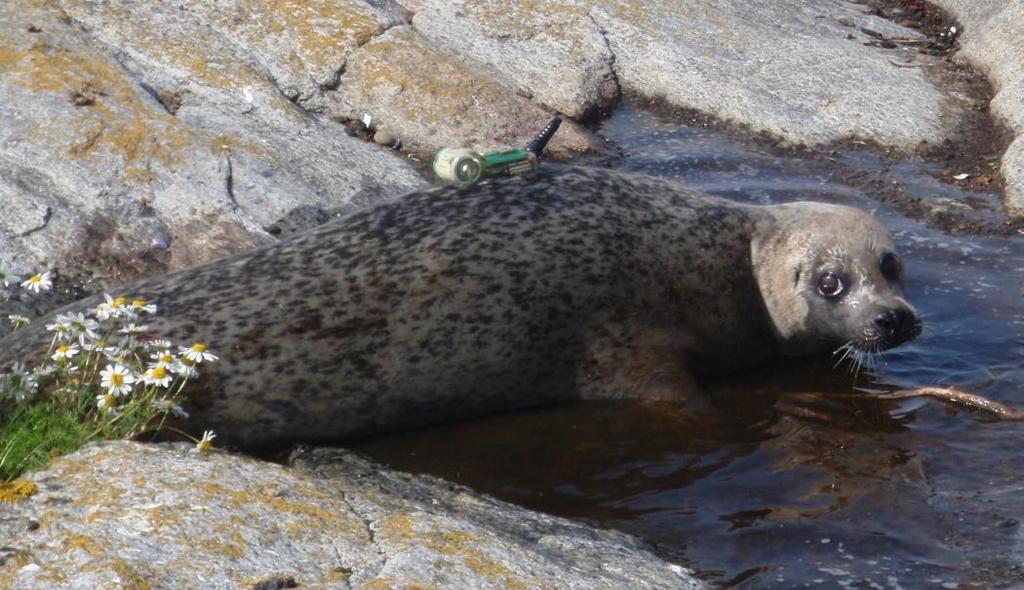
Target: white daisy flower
column 165, row 405
column 18, row 320
column 114, row 307
column 117, row 379
column 81, row 326
column 163, row 358
column 196, row 353
column 185, row 368
column 61, row 325
column 133, row 329
column 98, row 345
column 20, row 383
column 206, row 443
column 158, row 376
column 38, row 282
column 64, row 352
column 140, row 305
column 161, row 344
column 106, row 402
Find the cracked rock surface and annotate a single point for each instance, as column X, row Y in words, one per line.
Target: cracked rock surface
column 137, row 137
column 799, row 70
column 431, row 99
column 126, row 514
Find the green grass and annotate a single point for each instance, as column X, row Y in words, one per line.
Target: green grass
column 33, row 433
column 30, row 434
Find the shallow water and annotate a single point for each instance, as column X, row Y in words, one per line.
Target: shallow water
column 758, row 484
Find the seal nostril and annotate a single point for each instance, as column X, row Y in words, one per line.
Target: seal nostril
column 898, row 324
column 887, row 320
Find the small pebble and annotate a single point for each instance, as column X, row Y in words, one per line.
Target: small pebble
column 386, row 139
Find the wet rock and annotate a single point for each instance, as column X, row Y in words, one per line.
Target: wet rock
column 991, row 39
column 125, row 514
column 149, row 119
column 436, row 99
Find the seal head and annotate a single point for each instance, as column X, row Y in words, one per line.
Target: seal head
column 830, row 278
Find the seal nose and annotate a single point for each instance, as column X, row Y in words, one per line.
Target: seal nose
column 898, row 325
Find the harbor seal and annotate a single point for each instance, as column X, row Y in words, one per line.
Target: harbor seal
column 562, row 284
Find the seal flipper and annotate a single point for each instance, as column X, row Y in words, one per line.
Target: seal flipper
column 635, row 363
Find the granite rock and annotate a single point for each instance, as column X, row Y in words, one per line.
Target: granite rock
column 129, row 515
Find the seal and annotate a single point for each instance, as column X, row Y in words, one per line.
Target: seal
column 563, row 284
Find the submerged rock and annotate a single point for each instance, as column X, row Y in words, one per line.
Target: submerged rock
column 123, row 514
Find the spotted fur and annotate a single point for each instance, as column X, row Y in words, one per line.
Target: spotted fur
column 454, row 302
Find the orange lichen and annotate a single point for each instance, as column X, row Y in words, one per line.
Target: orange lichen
column 429, row 86
column 17, row 490
column 321, row 30
column 117, row 120
column 524, row 19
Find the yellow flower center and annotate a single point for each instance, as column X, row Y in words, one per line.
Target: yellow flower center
column 35, row 279
column 116, row 379
column 199, row 347
column 118, row 302
column 138, row 303
column 109, row 400
column 166, row 358
column 157, row 373
column 63, row 348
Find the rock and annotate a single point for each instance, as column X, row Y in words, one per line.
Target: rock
column 991, row 39
column 386, row 139
column 554, row 52
column 435, row 99
column 129, row 125
column 124, row 514
column 784, row 67
column 302, row 44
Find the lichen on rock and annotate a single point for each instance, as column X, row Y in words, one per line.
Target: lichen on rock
column 17, row 490
column 125, row 514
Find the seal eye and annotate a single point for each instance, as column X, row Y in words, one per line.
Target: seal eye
column 890, row 266
column 830, row 285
